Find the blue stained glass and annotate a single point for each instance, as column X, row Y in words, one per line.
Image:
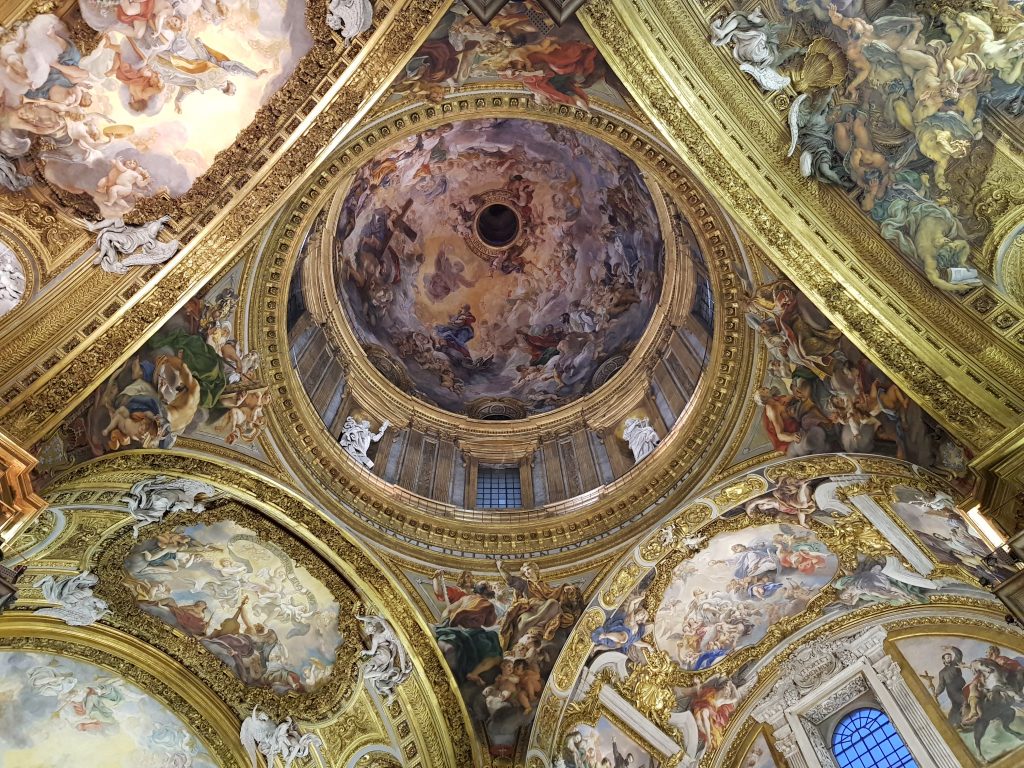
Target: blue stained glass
column 866, row 738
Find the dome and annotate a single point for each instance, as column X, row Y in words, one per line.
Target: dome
column 498, row 260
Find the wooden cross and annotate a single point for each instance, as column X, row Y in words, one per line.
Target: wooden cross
column 400, row 223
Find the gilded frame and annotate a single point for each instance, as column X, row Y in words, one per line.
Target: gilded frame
column 331, row 694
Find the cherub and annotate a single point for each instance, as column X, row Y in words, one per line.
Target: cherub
column 530, row 684
column 504, row 688
column 122, row 181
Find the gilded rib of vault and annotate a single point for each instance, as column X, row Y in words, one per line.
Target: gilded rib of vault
column 713, row 144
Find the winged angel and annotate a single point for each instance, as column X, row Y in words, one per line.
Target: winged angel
column 150, row 500
column 261, row 735
column 76, row 604
column 387, row 664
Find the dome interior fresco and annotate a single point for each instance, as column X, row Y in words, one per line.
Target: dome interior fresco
column 528, row 302
column 510, row 383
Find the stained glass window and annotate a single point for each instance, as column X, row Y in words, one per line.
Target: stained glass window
column 498, row 488
column 866, row 738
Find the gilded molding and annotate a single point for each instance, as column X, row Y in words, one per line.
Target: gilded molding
column 649, row 60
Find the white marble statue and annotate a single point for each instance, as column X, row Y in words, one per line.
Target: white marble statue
column 12, row 280
column 150, row 500
column 261, row 735
column 386, row 664
column 755, row 46
column 350, row 18
column 73, row 595
column 11, row 178
column 641, row 437
column 138, row 245
column 356, row 438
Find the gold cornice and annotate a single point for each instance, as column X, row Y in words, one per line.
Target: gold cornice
column 672, row 71
column 408, row 523
column 30, row 415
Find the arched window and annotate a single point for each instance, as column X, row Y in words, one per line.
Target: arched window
column 865, row 738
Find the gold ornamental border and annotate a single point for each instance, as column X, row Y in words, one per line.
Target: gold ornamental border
column 331, row 694
column 167, row 681
column 382, row 510
column 662, row 54
column 337, row 548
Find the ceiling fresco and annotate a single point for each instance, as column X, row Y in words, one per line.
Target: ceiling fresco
column 822, row 394
column 499, row 258
column 72, row 712
column 127, row 119
column 764, row 574
column 556, row 64
column 892, row 105
column 192, row 378
column 735, row 575
column 345, row 480
column 500, row 635
column 952, row 668
column 266, row 618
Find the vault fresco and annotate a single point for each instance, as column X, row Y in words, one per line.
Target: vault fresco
column 267, row 619
column 822, row 394
column 500, row 636
column 557, row 64
column 893, row 105
column 191, row 378
column 471, row 316
column 128, row 119
column 945, row 533
column 70, row 712
column 604, row 744
column 781, row 562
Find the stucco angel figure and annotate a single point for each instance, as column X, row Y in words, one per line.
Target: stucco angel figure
column 77, row 606
column 356, row 438
column 387, row 665
column 151, row 499
column 350, row 18
column 755, row 46
column 261, row 735
column 641, row 437
column 138, row 245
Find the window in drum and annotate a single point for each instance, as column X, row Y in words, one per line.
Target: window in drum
column 498, row 488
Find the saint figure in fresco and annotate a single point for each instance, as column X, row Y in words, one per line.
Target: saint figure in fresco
column 542, row 346
column 454, row 335
column 247, row 646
